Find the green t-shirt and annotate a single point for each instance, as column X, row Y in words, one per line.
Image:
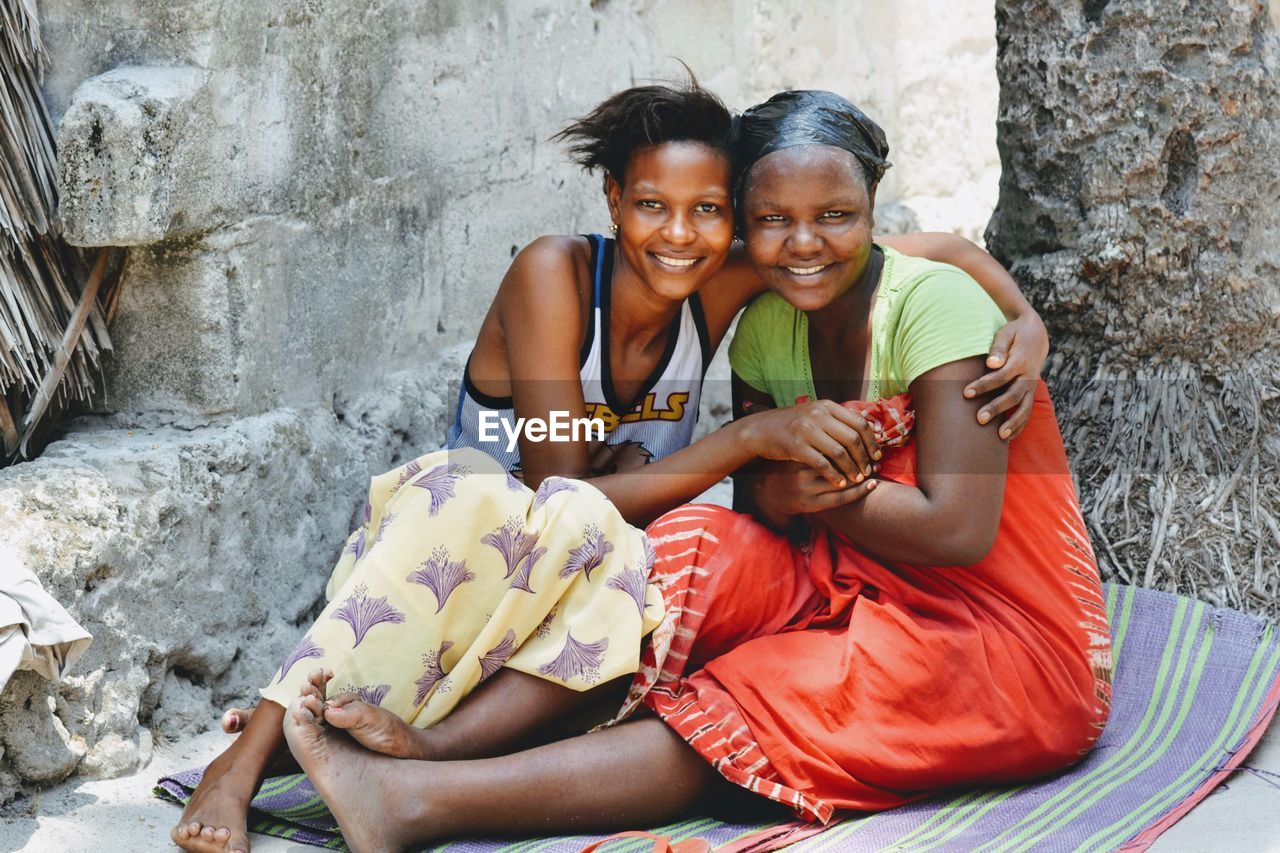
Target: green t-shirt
column 926, row 314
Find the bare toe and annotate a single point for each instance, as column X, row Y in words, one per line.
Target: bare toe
column 378, row 729
column 318, row 678
column 343, row 699
column 298, row 713
column 203, row 840
column 315, row 705
column 235, row 719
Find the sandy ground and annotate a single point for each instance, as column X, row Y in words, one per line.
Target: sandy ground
column 121, row 814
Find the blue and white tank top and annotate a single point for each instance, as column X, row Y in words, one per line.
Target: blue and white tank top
column 657, row 423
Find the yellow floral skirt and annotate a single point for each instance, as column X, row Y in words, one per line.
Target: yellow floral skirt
column 460, row 570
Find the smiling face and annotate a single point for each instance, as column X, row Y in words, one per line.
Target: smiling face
column 807, row 218
column 675, row 223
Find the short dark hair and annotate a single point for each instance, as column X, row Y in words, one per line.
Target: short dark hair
column 644, row 116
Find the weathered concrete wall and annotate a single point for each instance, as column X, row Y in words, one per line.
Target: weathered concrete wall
column 924, row 69
column 376, row 165
column 321, row 198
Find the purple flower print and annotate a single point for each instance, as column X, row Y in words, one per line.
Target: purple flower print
column 513, row 543
column 439, row 483
column 544, row 627
column 650, row 555
column 577, row 659
column 632, row 582
column 521, row 580
column 441, row 575
column 493, row 659
column 306, row 649
column 382, row 526
column 408, row 472
column 514, row 484
column 434, row 672
column 551, row 486
column 373, row 694
column 357, row 547
column 361, row 611
column 589, row 555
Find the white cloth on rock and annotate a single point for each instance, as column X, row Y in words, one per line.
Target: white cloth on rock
column 36, row 632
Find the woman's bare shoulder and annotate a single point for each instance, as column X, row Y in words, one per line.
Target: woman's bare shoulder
column 538, row 314
column 548, row 286
column 553, row 253
column 553, row 267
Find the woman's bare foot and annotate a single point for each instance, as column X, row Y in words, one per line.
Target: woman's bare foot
column 234, row 721
column 377, row 728
column 215, row 818
column 357, row 785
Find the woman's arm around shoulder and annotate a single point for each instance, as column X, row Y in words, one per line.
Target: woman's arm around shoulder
column 1020, row 348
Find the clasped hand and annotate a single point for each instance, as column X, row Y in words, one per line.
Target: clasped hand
column 813, row 456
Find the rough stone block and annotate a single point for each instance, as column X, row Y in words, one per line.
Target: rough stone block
column 121, row 151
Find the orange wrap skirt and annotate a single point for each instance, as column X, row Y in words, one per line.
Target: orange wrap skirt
column 824, row 678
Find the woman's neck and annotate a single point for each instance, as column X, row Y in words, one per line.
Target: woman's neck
column 844, row 321
column 637, row 315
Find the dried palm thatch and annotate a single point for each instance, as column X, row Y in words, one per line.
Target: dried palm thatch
column 1176, row 469
column 54, row 310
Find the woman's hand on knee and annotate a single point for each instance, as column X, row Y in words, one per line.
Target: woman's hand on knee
column 1017, row 356
column 837, row 444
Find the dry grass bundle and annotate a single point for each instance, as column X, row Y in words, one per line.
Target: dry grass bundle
column 54, row 311
column 1177, row 475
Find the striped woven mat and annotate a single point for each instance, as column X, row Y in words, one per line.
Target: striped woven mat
column 1195, row 687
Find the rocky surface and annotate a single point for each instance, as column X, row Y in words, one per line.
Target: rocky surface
column 121, row 147
column 195, row 557
column 1140, row 206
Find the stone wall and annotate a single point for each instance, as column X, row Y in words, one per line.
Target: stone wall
column 321, row 198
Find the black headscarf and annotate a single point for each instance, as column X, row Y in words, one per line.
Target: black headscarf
column 808, row 117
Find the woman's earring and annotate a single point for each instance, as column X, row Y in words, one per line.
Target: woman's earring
column 613, row 229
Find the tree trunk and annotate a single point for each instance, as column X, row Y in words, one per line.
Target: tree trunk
column 1140, row 209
